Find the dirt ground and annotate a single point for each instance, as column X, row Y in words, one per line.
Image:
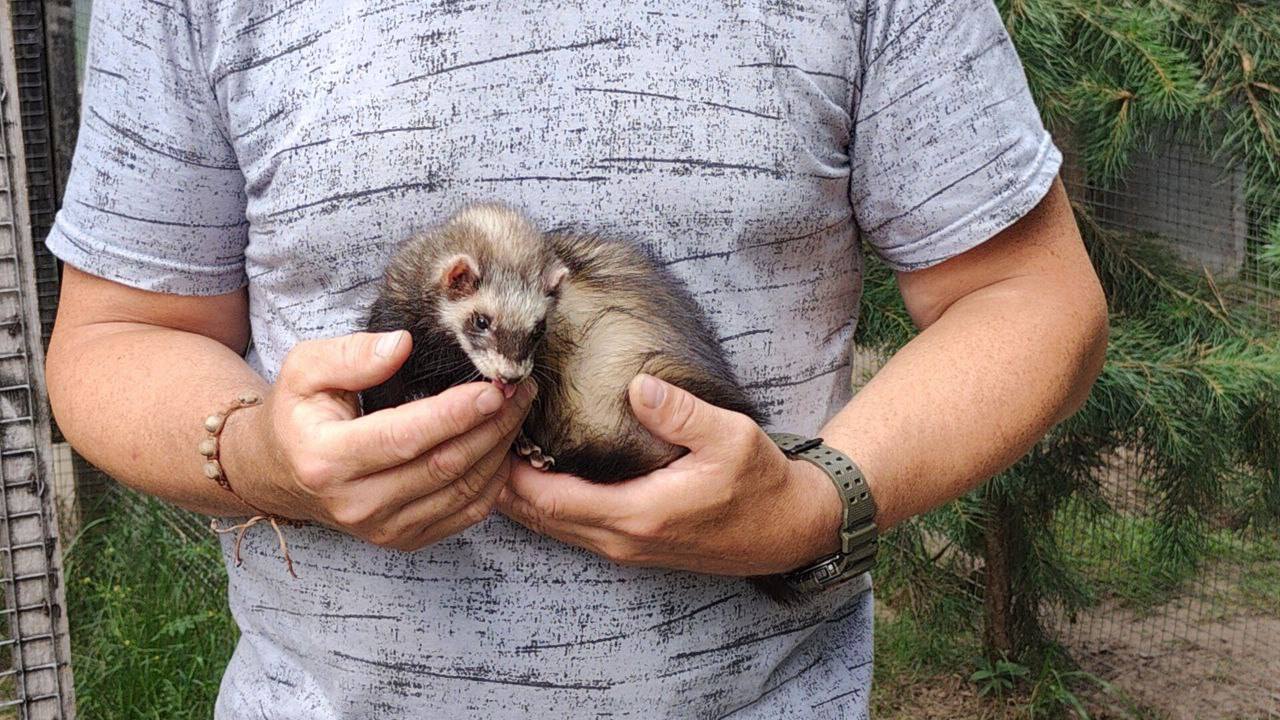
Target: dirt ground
column 939, row 698
column 1176, row 680
column 1213, row 654
column 1229, row 670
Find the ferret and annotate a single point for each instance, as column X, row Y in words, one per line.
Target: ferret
column 488, row 296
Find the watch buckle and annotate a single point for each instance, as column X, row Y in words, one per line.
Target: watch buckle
column 851, row 539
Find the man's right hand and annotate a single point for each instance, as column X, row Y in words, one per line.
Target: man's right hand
column 403, row 477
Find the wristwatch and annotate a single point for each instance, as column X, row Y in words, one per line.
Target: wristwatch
column 857, row 553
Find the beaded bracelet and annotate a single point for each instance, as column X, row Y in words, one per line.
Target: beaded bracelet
column 210, row 449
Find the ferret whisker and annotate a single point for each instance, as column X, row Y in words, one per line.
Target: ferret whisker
column 547, row 370
column 545, row 377
column 434, row 369
column 437, row 371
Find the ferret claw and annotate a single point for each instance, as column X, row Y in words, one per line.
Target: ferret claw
column 526, row 449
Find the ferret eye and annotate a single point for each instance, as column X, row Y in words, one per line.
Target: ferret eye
column 481, row 322
column 539, row 330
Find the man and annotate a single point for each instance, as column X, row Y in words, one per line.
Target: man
column 244, row 171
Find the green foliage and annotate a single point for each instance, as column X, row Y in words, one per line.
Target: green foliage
column 914, row 656
column 1115, row 72
column 1268, row 255
column 910, row 648
column 1191, row 386
column 917, row 656
column 1054, row 693
column 150, row 636
column 1119, row 556
column 1238, row 47
column 998, row 678
column 930, row 583
column 1258, row 586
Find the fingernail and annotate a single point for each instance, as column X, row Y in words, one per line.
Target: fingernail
column 489, row 400
column 388, row 343
column 652, row 391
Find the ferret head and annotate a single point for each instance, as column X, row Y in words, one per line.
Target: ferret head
column 497, row 280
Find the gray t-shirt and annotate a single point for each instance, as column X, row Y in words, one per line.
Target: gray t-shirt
column 290, row 145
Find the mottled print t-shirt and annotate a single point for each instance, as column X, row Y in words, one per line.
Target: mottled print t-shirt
column 749, row 145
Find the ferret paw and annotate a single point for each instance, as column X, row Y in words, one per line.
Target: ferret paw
column 526, row 449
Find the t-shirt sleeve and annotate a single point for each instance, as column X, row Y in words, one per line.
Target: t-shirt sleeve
column 156, row 198
column 948, row 148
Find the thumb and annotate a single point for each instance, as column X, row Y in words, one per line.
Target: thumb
column 675, row 415
column 347, row 362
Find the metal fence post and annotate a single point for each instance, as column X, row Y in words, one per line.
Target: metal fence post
column 33, row 618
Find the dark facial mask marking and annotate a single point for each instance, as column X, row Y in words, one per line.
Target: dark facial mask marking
column 513, row 345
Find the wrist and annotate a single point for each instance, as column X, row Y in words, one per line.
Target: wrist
column 875, row 468
column 242, row 452
column 856, row 536
column 819, row 536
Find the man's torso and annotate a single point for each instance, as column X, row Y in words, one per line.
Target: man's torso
column 713, row 133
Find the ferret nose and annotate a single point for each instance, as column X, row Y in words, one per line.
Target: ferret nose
column 511, row 379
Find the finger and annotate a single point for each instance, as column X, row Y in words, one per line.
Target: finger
column 590, row 537
column 366, row 511
column 473, row 514
column 349, row 362
column 561, row 500
column 476, row 415
column 678, row 416
column 417, row 503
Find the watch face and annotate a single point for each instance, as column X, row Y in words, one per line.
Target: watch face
column 829, row 570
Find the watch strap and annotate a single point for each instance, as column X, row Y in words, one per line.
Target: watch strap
column 858, row 534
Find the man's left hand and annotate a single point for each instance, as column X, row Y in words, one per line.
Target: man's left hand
column 734, row 505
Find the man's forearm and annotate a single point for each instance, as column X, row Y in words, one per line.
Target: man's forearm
column 973, row 392
column 132, row 399
column 133, row 375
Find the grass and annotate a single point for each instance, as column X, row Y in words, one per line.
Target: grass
column 150, row 629
column 920, row 666
column 928, row 652
column 1117, row 554
column 931, row 671
column 1259, row 586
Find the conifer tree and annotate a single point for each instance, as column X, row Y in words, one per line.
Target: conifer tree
column 1191, row 384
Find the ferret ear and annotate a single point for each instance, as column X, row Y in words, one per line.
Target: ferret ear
column 553, row 277
column 460, row 277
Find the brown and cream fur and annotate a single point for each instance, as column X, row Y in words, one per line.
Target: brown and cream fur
column 580, row 314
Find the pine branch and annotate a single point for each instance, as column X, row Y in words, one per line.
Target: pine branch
column 1191, row 385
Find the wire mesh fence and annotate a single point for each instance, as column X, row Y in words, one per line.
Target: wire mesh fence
column 35, row 672
column 1205, row 643
column 31, row 61
column 1207, row 646
column 1220, row 626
